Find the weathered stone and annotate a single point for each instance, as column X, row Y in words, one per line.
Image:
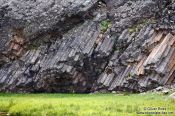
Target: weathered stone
column 143, row 70
column 172, row 96
column 61, row 46
column 159, row 89
column 35, row 18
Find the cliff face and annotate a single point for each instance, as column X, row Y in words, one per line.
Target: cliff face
column 86, row 45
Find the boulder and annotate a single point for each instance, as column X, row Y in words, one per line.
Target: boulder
column 172, row 96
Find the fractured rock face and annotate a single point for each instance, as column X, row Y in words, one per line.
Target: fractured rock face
column 125, row 13
column 63, row 64
column 151, row 65
column 45, row 22
column 39, row 16
column 16, row 45
column 62, row 45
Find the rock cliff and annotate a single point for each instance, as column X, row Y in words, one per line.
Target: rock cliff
column 85, row 46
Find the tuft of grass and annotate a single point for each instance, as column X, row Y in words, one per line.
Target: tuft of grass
column 33, row 46
column 140, row 24
column 81, row 104
column 104, row 25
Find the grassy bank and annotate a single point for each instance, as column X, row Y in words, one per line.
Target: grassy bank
column 83, row 105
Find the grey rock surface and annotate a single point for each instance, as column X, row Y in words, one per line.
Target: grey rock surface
column 39, row 16
column 86, row 45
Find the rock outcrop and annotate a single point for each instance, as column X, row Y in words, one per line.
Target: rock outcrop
column 147, row 62
column 172, row 96
column 86, row 45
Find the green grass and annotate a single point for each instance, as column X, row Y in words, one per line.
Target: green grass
column 140, row 24
column 104, row 25
column 81, row 104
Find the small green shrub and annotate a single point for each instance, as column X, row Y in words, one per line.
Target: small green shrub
column 140, row 24
column 33, row 46
column 104, row 25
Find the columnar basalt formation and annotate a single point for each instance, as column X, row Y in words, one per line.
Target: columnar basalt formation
column 141, row 69
column 85, row 46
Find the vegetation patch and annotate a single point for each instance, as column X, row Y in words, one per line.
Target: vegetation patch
column 140, row 24
column 81, row 104
column 104, row 25
column 33, row 46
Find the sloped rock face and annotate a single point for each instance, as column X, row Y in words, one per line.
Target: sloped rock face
column 142, row 68
column 144, row 59
column 64, row 60
column 71, row 46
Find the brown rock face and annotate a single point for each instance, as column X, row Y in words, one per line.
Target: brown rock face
column 16, row 45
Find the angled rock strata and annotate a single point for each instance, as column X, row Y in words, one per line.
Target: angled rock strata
column 85, row 46
column 146, row 63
